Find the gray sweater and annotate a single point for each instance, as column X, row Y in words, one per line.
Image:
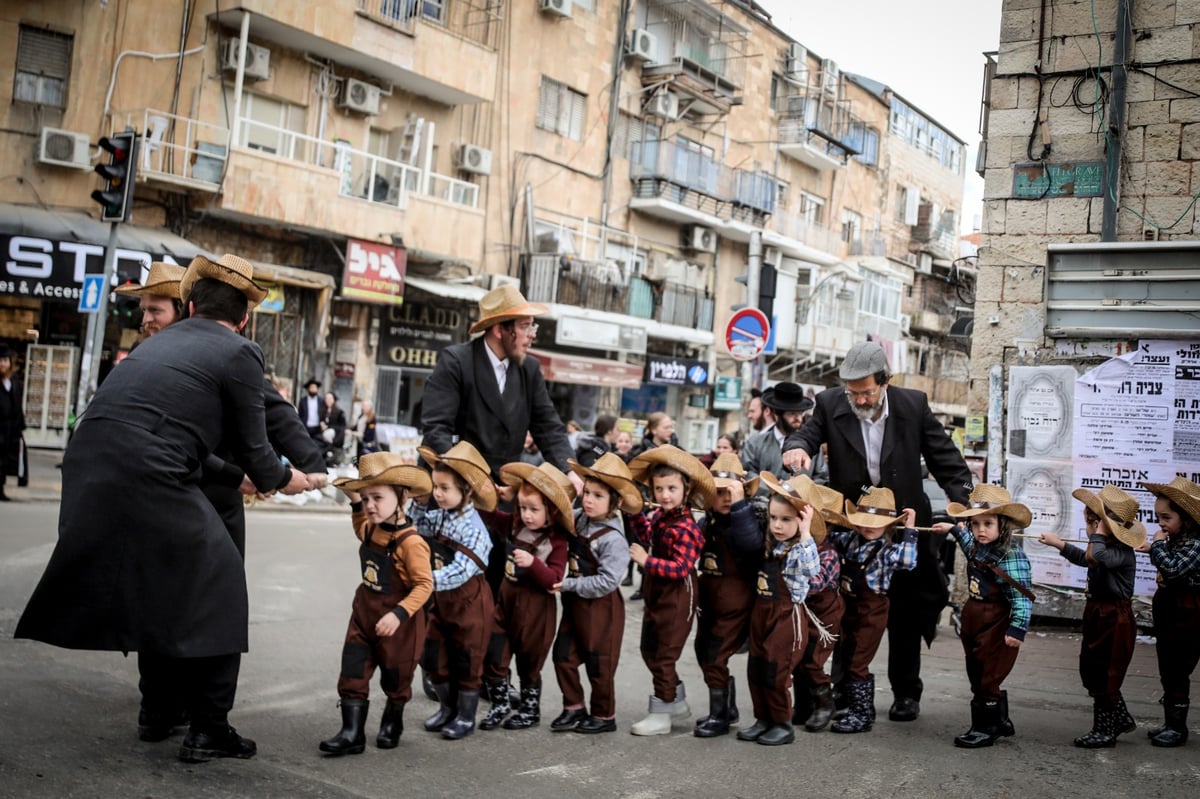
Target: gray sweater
column 611, row 550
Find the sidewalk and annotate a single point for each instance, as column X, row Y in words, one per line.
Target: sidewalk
column 45, row 485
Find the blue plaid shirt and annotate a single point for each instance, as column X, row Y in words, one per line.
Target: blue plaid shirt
column 1178, row 561
column 463, row 526
column 1013, row 563
column 892, row 555
column 800, row 567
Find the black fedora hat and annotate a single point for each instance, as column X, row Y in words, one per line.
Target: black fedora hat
column 312, row 381
column 785, row 397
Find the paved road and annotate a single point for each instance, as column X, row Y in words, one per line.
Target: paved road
column 67, row 718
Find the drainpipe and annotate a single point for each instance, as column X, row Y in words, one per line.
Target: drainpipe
column 1112, row 167
column 239, row 81
column 614, row 106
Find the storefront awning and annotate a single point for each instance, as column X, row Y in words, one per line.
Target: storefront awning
column 560, row 367
column 76, row 226
column 291, row 276
column 468, row 292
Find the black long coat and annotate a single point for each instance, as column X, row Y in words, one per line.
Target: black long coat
column 12, row 423
column 143, row 562
column 462, row 398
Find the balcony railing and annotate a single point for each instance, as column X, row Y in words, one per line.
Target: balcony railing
column 711, row 52
column 477, row 20
column 190, row 152
column 681, row 174
column 811, row 233
column 399, row 14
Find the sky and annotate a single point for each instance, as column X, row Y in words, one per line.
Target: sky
column 930, row 52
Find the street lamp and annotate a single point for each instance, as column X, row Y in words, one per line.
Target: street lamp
column 805, row 304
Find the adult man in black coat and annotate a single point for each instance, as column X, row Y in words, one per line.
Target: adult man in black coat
column 12, row 423
column 876, row 436
column 143, row 563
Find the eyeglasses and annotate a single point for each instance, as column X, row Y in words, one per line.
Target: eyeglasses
column 528, row 328
column 869, row 394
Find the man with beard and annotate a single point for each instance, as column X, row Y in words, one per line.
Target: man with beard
column 755, row 413
column 876, row 435
column 763, row 451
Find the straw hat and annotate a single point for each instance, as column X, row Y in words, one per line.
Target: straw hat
column 727, row 469
column 464, row 459
column 548, row 481
column 987, row 498
column 1117, row 511
column 502, row 304
column 162, row 281
column 614, row 473
column 1183, row 492
column 831, row 504
column 229, row 268
column 703, row 489
column 876, row 508
column 387, row 469
column 798, row 492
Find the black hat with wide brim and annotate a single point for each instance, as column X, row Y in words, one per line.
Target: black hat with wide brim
column 787, row 397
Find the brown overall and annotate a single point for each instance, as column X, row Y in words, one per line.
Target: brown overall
column 725, row 602
column 863, row 622
column 985, row 619
column 776, row 643
column 460, row 622
column 523, row 623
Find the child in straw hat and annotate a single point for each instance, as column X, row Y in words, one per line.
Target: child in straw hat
column 996, row 614
column 813, row 706
column 461, row 617
column 729, row 563
column 777, row 625
column 523, row 624
column 593, row 617
column 669, row 546
column 1109, row 629
column 1175, row 552
column 869, row 558
column 387, row 617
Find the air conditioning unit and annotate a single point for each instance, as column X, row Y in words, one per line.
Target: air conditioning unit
column 258, row 59
column 699, row 238
column 360, row 97
column 665, row 105
column 475, row 159
column 925, row 263
column 905, row 323
column 830, row 76
column 772, row 257
column 797, row 104
column 641, row 44
column 796, row 65
column 64, row 148
column 558, row 8
column 496, row 281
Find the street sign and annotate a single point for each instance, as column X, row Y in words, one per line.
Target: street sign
column 747, row 333
column 89, row 297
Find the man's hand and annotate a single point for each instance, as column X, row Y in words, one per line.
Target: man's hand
column 297, row 485
column 247, row 487
column 317, row 479
column 797, row 460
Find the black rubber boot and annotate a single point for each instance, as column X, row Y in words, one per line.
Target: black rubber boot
column 529, row 714
column 733, row 711
column 717, row 721
column 391, row 726
column 1102, row 733
column 445, row 710
column 802, row 699
column 822, row 704
column 860, row 714
column 841, row 702
column 985, row 719
column 1175, row 731
column 497, row 694
column 778, row 735
column 464, row 723
column 1005, row 730
column 350, row 739
column 1123, row 720
column 427, row 686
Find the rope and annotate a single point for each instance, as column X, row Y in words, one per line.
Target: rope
column 823, row 635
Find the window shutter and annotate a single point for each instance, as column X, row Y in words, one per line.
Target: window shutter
column 44, row 52
column 912, row 204
column 578, row 105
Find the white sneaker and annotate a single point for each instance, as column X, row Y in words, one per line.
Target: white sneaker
column 653, row 724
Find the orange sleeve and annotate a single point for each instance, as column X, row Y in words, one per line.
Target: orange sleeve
column 412, row 556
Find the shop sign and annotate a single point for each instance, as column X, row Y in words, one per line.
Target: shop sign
column 414, row 333
column 727, row 395
column 595, row 334
column 676, row 372
column 47, row 269
column 374, row 272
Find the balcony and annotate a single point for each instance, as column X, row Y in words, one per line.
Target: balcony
column 814, row 128
column 441, row 49
column 700, row 53
column 282, row 177
column 601, row 286
column 680, row 184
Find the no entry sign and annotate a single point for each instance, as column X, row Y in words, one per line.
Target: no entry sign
column 747, row 333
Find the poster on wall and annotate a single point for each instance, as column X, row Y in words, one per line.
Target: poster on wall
column 1040, row 405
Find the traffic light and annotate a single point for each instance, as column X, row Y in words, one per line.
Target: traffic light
column 119, row 174
column 768, row 279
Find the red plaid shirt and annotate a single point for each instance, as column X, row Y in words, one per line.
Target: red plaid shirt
column 678, row 537
column 831, row 570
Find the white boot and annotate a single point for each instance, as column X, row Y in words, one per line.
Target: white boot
column 679, row 708
column 657, row 721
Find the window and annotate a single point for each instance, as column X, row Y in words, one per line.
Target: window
column 866, row 141
column 694, row 166
column 901, row 209
column 851, row 226
column 268, row 125
column 812, row 208
column 560, row 109
column 630, row 131
column 880, row 297
column 43, row 67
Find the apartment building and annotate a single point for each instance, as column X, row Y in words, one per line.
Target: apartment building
column 385, row 162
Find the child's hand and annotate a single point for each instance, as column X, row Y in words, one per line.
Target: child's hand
column 806, row 517
column 1013, row 642
column 556, row 588
column 387, row 625
column 737, row 491
column 638, row 553
column 941, row 527
column 522, row 558
column 910, row 517
column 353, row 496
column 1051, row 540
column 505, row 492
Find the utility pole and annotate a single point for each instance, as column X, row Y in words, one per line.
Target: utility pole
column 752, row 282
column 89, row 370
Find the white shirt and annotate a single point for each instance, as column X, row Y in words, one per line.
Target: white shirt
column 312, row 411
column 872, row 432
column 500, row 367
column 779, row 437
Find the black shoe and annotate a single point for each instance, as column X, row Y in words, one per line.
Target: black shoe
column 753, row 732
column 568, row 720
column 904, row 709
column 636, row 595
column 154, row 727
column 592, row 725
column 223, row 741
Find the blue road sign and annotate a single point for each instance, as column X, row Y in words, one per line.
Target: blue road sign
column 89, row 298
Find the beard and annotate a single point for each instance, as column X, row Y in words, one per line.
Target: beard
column 782, row 425
column 867, row 413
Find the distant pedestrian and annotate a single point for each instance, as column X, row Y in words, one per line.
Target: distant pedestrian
column 13, row 458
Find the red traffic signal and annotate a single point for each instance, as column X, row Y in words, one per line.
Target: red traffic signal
column 116, row 198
